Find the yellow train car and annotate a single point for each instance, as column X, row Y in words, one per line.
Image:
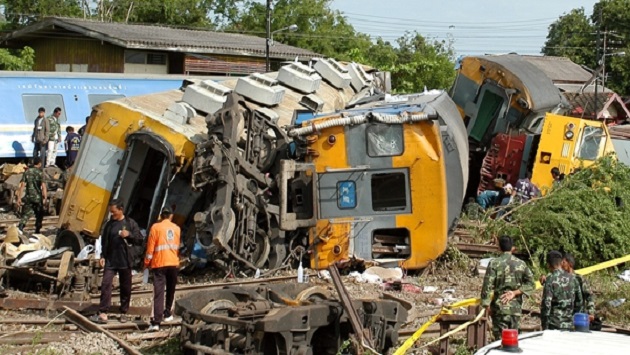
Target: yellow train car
column 376, row 171
column 130, row 152
column 357, row 176
column 568, row 143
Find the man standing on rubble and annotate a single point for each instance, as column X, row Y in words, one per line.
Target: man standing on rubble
column 34, row 197
column 41, row 132
column 119, row 235
column 561, row 296
column 507, row 280
column 72, row 144
column 54, row 136
column 162, row 257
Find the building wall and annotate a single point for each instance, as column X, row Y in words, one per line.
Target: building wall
column 80, row 54
column 213, row 64
column 99, row 57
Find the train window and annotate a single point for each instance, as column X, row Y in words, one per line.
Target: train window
column 95, row 99
column 32, row 102
column 592, row 139
column 389, row 192
column 384, row 140
column 346, row 194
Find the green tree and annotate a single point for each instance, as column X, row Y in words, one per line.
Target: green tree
column 190, row 13
column 22, row 59
column 193, row 13
column 19, row 13
column 320, row 29
column 572, row 36
column 421, row 64
column 413, row 61
column 612, row 18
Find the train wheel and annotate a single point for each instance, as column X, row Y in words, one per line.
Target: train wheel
column 314, row 293
column 261, row 248
column 68, row 238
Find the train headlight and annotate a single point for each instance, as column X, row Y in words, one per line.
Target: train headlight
column 568, row 134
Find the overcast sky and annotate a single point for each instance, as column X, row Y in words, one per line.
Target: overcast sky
column 477, row 26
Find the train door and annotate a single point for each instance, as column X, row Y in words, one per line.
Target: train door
column 144, row 177
column 486, row 114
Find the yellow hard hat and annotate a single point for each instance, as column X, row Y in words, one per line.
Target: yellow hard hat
column 12, row 234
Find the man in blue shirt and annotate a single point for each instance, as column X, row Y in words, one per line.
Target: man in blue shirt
column 72, row 144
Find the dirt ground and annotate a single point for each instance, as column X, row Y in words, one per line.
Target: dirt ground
column 443, row 283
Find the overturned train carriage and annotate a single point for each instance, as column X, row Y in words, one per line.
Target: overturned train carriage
column 503, row 100
column 363, row 176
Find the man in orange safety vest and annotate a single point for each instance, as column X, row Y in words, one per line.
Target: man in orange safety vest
column 162, row 257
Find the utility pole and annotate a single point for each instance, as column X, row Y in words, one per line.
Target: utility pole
column 267, row 64
column 604, row 62
column 597, row 60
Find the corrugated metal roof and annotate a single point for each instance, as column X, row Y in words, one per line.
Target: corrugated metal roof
column 569, row 343
column 559, row 69
column 543, row 93
column 136, row 36
column 578, row 88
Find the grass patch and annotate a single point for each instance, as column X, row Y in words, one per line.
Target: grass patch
column 171, row 346
column 606, row 286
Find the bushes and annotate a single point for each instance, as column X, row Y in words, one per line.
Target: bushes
column 582, row 216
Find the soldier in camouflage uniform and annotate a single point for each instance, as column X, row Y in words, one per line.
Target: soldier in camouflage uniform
column 561, row 296
column 32, row 204
column 54, row 136
column 588, row 301
column 507, row 280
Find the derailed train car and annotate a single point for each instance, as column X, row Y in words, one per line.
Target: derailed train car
column 513, row 116
column 366, row 176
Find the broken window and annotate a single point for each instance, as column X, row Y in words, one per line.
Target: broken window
column 384, row 140
column 592, row 139
column 389, row 192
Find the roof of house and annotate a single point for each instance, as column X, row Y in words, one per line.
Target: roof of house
column 559, row 69
column 156, row 37
column 585, row 102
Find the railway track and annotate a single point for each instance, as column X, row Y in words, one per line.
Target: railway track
column 49, row 221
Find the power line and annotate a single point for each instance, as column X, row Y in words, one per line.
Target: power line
column 398, row 19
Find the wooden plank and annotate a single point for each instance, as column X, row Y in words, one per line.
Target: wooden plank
column 86, row 307
column 31, row 321
column 88, row 326
column 149, row 336
column 34, row 337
